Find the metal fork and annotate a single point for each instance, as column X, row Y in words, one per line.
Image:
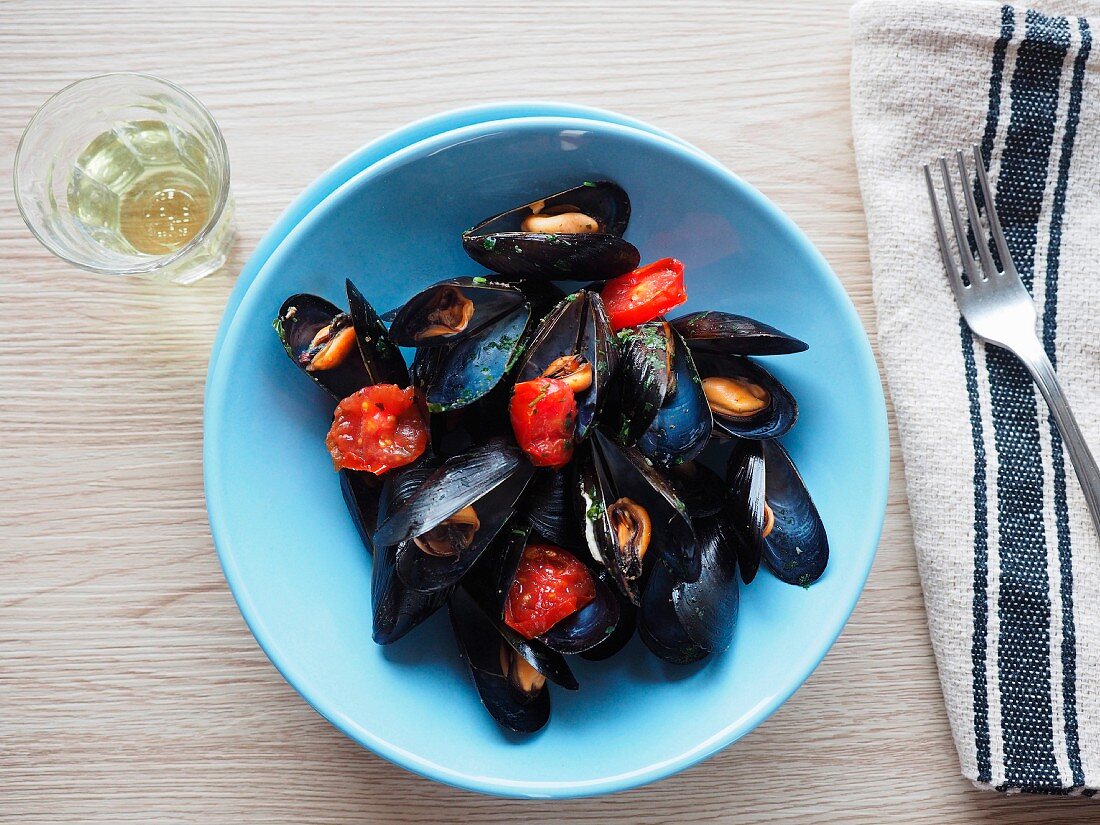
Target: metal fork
column 999, row 309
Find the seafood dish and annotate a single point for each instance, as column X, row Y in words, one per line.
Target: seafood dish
column 561, row 463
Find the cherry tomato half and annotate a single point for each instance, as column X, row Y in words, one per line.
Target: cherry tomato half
column 645, row 293
column 376, row 429
column 544, row 417
column 550, row 584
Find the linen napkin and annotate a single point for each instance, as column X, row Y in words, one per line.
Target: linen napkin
column 1009, row 561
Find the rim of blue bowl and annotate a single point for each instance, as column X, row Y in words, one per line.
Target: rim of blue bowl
column 879, row 473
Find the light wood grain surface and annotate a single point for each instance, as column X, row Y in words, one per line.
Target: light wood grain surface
column 130, row 688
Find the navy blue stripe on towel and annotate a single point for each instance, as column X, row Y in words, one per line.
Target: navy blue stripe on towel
column 1023, row 603
column 1050, row 330
column 979, row 640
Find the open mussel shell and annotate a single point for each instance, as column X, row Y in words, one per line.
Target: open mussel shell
column 683, row 622
column 458, row 375
column 384, row 362
column 575, row 343
column 645, row 378
column 395, row 608
column 746, row 400
column 797, row 548
column 583, row 250
column 631, row 512
column 722, row 333
column 770, row 515
column 683, row 424
column 519, row 704
column 450, row 311
column 449, row 520
column 320, row 340
column 744, row 513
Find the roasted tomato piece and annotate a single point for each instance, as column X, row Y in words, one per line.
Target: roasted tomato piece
column 544, row 418
column 645, row 293
column 550, row 584
column 376, row 429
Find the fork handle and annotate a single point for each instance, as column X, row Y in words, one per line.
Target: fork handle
column 1034, row 357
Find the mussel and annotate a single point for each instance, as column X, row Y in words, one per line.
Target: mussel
column 451, row 517
column 574, row 343
column 722, row 333
column 320, row 340
column 509, row 672
column 645, row 380
column 457, row 369
column 772, row 515
column 746, row 400
column 573, row 235
column 683, row 423
column 683, row 622
column 395, row 608
column 450, row 311
column 343, row 352
column 628, row 508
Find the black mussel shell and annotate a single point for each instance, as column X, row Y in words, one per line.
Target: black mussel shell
column 300, row 319
column 743, row 513
column 774, row 420
column 797, row 549
column 500, row 244
column 590, row 626
column 456, row 376
column 682, row 426
column 608, row 472
column 577, row 326
column 384, row 362
column 683, row 622
column 645, row 378
column 620, row 636
column 699, row 487
column 548, row 506
column 395, row 608
column 481, row 645
column 721, row 333
column 450, row 311
column 490, row 478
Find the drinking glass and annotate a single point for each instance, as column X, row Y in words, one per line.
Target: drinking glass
column 127, row 174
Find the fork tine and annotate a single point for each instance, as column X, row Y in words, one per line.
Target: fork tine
column 970, row 266
column 953, row 276
column 975, row 219
column 991, row 213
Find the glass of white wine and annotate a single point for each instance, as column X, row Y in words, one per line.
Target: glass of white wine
column 127, row 174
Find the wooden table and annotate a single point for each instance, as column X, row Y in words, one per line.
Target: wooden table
column 130, row 688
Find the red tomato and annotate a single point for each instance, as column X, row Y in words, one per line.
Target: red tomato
column 376, row 429
column 550, row 584
column 645, row 293
column 544, row 417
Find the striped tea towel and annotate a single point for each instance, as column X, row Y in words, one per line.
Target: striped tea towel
column 1009, row 561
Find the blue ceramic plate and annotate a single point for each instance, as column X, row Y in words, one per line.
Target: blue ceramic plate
column 295, row 563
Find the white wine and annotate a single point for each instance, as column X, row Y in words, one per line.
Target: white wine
column 143, row 187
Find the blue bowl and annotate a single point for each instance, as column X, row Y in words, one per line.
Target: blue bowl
column 300, row 574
